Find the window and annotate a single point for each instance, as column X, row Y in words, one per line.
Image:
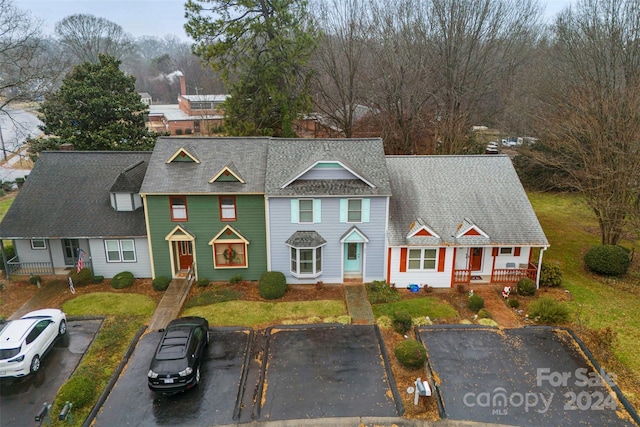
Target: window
column 422, row 259
column 305, row 211
column 506, row 251
column 230, row 255
column 227, row 208
column 38, row 244
column 306, row 261
column 178, row 208
column 120, row 250
column 354, row 210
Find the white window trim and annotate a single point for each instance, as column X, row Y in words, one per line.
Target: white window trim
column 509, row 253
column 39, row 248
column 361, row 213
column 422, row 259
column 120, row 251
column 312, row 212
column 315, row 273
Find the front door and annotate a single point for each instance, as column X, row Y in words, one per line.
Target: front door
column 475, row 261
column 70, row 251
column 352, row 258
column 185, row 254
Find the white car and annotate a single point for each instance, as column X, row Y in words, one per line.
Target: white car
column 23, row 342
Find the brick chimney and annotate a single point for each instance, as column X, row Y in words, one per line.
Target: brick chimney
column 183, row 83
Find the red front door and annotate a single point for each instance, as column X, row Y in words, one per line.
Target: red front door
column 475, row 261
column 185, row 255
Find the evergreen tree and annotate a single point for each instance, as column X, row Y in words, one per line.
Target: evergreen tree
column 261, row 48
column 96, row 108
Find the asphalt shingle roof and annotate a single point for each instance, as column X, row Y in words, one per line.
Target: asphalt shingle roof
column 248, row 155
column 66, row 195
column 445, row 191
column 288, row 158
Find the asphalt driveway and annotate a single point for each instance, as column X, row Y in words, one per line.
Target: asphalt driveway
column 287, row 372
column 22, row 398
column 529, row 376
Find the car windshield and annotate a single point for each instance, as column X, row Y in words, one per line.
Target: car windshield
column 8, row 353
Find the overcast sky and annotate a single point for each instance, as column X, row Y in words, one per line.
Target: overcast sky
column 143, row 17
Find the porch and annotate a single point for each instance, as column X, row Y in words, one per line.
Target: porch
column 15, row 267
column 507, row 276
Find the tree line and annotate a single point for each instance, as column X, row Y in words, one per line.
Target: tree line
column 418, row 73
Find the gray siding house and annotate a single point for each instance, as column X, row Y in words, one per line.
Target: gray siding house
column 80, row 204
column 327, row 207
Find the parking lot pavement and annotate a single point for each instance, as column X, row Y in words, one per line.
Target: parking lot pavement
column 213, row 402
column 288, row 372
column 326, row 371
column 522, row 377
column 22, row 398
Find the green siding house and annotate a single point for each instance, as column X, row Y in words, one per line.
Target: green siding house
column 205, row 207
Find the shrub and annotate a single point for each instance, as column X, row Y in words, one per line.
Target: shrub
column 513, row 303
column 483, row 313
column 236, row 279
column 401, row 322
column 411, row 353
column 84, row 277
column 380, row 292
column 122, row 280
column 34, row 280
column 203, row 282
column 160, row 283
column 384, row 322
column 80, row 390
column 98, row 279
column 550, row 275
column 476, row 302
column 461, row 288
column 178, row 131
column 526, row 287
column 549, row 310
column 273, row 285
column 488, row 322
column 610, row 260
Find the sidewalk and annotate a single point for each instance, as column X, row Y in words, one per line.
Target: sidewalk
column 171, row 304
column 41, row 298
column 358, row 304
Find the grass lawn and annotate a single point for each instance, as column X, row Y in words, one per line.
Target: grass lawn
column 417, row 307
column 256, row 313
column 598, row 302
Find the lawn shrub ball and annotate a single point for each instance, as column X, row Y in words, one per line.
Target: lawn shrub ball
column 550, row 275
column 34, row 280
column 161, row 283
column 609, row 260
column 513, row 303
column 411, row 354
column 380, row 292
column 483, row 313
column 526, row 287
column 84, row 277
column 236, row 279
column 273, row 285
column 203, row 282
column 122, row 280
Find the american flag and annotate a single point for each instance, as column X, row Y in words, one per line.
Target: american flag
column 80, row 262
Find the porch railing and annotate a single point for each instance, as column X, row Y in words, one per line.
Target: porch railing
column 500, row 275
column 14, row 266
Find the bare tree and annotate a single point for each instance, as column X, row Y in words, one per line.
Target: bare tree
column 590, row 120
column 86, row 36
column 339, row 62
column 475, row 46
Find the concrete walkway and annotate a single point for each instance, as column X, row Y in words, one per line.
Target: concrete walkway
column 171, row 304
column 358, row 304
column 41, row 298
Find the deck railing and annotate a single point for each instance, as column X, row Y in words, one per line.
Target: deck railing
column 14, row 266
column 500, row 275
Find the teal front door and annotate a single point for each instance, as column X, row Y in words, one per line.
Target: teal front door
column 353, row 258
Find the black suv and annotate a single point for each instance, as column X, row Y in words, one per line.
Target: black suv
column 176, row 363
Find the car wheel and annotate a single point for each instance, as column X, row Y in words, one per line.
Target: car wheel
column 198, row 375
column 62, row 329
column 35, row 364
